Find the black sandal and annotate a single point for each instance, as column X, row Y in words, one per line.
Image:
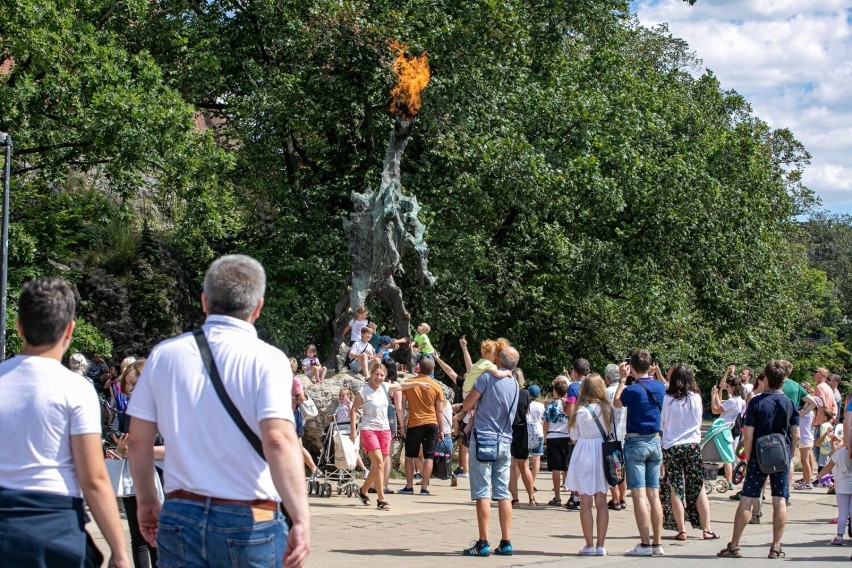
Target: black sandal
column 382, row 505
column 364, row 499
column 730, row 552
column 776, row 553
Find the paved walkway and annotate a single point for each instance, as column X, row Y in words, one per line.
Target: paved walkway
column 431, row 531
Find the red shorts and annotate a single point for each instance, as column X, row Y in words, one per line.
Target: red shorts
column 372, row 440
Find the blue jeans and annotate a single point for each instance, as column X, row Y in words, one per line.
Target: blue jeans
column 193, row 533
column 643, row 456
column 490, row 480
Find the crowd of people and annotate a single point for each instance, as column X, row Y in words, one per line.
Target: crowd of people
column 237, row 491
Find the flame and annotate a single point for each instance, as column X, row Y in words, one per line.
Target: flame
column 412, row 73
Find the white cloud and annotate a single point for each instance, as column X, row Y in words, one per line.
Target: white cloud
column 792, row 59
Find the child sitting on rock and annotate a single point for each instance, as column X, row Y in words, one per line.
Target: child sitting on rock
column 421, row 346
column 311, row 365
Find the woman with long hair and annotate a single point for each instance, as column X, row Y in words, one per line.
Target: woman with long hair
column 143, row 555
column 731, row 411
column 586, row 472
column 520, row 445
column 682, row 488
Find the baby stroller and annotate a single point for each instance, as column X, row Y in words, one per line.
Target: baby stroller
column 336, row 463
column 716, row 449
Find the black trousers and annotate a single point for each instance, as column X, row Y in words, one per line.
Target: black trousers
column 144, row 556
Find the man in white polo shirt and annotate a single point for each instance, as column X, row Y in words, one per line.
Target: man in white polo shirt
column 222, row 497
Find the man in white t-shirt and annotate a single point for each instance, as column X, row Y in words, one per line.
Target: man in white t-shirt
column 52, row 457
column 219, row 490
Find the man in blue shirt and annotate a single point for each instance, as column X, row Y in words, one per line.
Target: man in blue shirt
column 498, row 400
column 643, row 452
column 768, row 413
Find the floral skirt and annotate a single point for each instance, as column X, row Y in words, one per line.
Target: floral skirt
column 684, row 474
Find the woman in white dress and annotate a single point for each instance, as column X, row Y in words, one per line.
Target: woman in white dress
column 586, row 471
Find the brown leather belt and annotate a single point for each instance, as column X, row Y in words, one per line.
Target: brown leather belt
column 256, row 504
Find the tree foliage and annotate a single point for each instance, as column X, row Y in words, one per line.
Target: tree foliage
column 586, row 192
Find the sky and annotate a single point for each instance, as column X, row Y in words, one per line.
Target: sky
column 792, row 60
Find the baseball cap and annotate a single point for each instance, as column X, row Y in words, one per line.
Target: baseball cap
column 534, row 391
column 386, row 340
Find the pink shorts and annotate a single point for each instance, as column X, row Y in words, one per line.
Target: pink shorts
column 372, row 440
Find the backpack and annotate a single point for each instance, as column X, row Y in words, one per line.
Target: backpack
column 533, row 439
column 737, row 426
column 772, row 455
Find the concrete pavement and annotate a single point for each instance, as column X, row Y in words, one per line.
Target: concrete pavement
column 431, row 531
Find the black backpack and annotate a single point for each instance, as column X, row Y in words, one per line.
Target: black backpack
column 772, row 455
column 737, row 426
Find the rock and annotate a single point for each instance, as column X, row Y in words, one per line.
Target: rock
column 325, row 397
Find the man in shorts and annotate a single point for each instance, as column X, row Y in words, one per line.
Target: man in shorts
column 767, row 413
column 643, row 452
column 425, row 426
column 497, row 403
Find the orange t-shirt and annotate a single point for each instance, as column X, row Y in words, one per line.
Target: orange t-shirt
column 421, row 402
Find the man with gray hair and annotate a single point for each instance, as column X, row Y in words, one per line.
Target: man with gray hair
column 223, row 497
column 490, row 452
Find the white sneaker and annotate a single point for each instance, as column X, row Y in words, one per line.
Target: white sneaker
column 588, row 551
column 463, row 474
column 600, row 551
column 657, row 550
column 640, row 550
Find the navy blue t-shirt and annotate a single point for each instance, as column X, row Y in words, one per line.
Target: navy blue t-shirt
column 643, row 414
column 767, row 413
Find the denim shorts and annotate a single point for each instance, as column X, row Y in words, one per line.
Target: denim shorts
column 192, row 533
column 490, row 480
column 643, row 456
column 539, row 450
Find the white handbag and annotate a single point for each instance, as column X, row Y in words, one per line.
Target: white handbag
column 122, row 481
column 309, row 408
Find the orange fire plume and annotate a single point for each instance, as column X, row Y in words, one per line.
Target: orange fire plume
column 412, row 73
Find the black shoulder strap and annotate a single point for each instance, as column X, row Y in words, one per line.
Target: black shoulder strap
column 650, row 395
column 213, row 371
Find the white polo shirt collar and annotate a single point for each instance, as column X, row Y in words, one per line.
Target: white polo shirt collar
column 219, row 321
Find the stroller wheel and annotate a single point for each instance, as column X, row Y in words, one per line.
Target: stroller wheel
column 310, row 487
column 348, row 490
column 708, row 487
column 722, row 486
column 317, row 488
column 339, row 490
column 739, row 473
column 326, row 490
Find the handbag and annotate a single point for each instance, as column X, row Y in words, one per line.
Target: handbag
column 308, row 407
column 487, row 446
column 613, row 454
column 122, row 482
column 252, row 438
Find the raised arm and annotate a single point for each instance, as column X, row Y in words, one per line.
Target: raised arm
column 447, row 369
column 622, row 376
column 468, row 362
